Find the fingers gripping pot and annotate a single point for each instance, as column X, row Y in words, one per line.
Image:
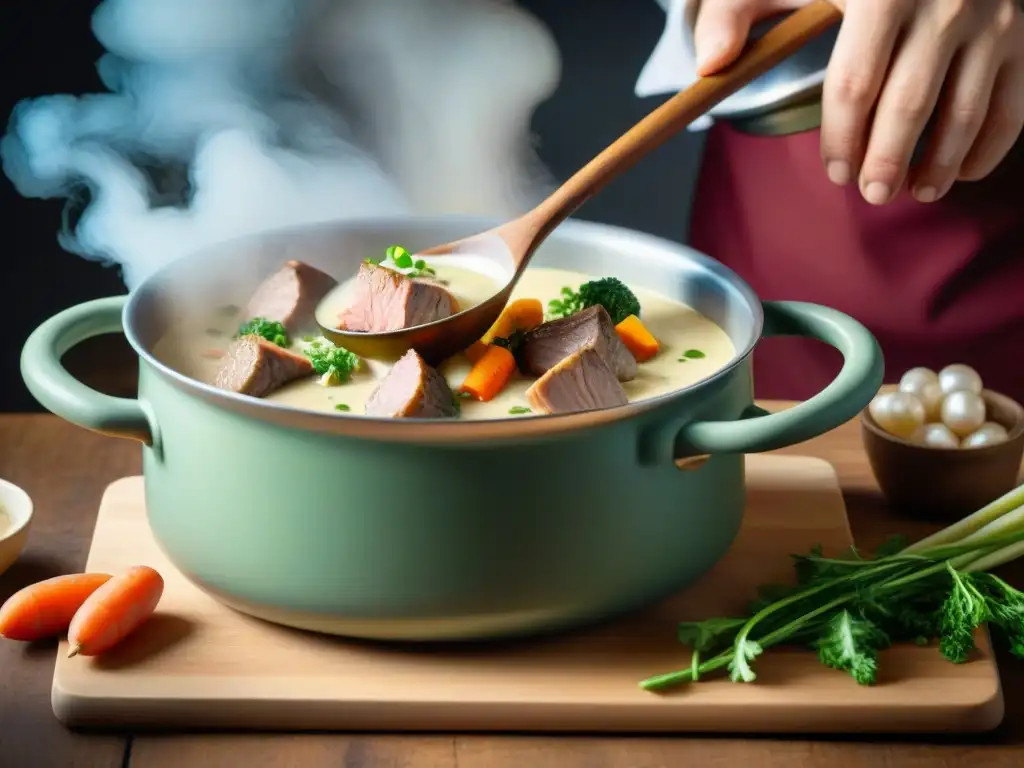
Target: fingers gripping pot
column 434, row 530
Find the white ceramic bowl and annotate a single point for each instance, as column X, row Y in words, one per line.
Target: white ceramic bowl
column 17, row 509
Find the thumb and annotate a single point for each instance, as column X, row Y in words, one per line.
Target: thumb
column 723, row 27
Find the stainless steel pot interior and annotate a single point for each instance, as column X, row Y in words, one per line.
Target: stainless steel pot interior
column 229, row 273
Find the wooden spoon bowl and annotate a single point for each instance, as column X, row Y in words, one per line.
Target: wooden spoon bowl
column 946, row 483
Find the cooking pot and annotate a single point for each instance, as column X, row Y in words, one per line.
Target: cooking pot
column 409, row 529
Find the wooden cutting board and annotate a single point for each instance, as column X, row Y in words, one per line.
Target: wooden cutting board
column 197, row 664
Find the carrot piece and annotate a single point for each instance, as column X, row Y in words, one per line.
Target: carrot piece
column 520, row 315
column 490, row 373
column 114, row 610
column 45, row 609
column 475, row 351
column 637, row 338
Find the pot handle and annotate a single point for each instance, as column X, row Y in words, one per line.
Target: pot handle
column 60, row 392
column 851, row 391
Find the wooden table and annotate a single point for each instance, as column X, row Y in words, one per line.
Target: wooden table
column 65, row 469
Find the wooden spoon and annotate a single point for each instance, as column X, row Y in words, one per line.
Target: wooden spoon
column 511, row 245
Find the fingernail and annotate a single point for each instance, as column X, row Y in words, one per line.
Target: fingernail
column 838, row 172
column 926, row 194
column 877, row 193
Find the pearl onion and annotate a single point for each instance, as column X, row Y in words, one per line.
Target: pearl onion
column 963, row 412
column 935, row 436
column 898, row 413
column 927, row 391
column 960, row 378
column 988, row 433
column 914, row 379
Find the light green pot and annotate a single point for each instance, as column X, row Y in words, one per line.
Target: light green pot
column 418, row 530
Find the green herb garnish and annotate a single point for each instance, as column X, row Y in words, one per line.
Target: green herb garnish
column 342, row 407
column 399, row 259
column 271, row 330
column 610, row 292
column 334, row 364
column 850, row 608
column 694, row 354
column 517, row 410
column 463, row 395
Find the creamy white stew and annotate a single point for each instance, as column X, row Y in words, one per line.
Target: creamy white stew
column 690, row 347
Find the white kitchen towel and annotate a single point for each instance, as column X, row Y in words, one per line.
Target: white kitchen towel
column 673, row 63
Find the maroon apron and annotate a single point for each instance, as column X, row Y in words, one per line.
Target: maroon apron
column 936, row 284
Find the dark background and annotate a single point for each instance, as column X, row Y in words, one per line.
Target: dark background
column 47, row 47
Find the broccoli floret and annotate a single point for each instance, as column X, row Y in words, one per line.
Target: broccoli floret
column 270, row 330
column 334, row 364
column 610, row 292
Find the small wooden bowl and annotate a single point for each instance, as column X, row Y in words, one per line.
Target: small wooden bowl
column 944, row 483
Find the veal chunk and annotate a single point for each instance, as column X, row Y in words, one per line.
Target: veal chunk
column 290, row 296
column 385, row 300
column 254, row 366
column 412, row 389
column 583, row 381
column 548, row 344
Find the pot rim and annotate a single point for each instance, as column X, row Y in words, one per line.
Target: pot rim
column 443, row 430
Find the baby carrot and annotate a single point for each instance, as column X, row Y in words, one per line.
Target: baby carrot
column 490, row 373
column 520, row 315
column 114, row 610
column 475, row 351
column 637, row 338
column 45, row 609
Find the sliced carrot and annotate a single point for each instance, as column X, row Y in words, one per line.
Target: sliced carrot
column 114, row 610
column 475, row 351
column 45, row 609
column 519, row 315
column 637, row 338
column 490, row 373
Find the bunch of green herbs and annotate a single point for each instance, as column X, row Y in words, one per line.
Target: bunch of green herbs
column 848, row 609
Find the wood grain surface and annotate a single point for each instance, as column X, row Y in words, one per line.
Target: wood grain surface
column 66, row 469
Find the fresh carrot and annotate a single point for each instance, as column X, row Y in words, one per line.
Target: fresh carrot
column 475, row 351
column 114, row 610
column 637, row 338
column 490, row 373
column 519, row 315
column 45, row 609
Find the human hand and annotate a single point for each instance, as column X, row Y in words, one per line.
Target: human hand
column 895, row 63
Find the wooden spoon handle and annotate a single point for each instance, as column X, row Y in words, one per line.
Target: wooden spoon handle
column 778, row 43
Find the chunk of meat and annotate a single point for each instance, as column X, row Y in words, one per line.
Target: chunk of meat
column 583, row 381
column 412, row 389
column 290, row 296
column 385, row 300
column 254, row 366
column 548, row 344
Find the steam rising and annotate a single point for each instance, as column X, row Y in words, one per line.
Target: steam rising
column 233, row 117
